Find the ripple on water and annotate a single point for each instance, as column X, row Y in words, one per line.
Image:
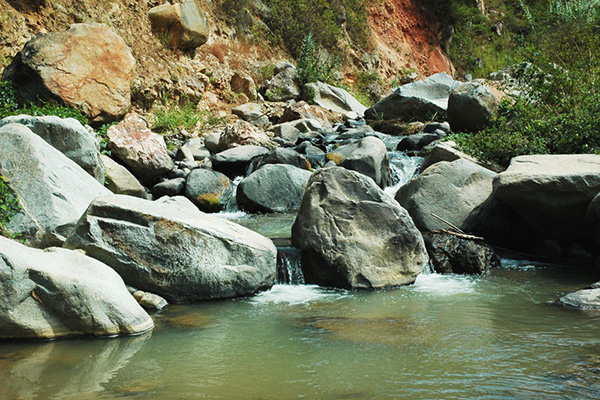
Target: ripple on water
column 444, row 284
column 296, row 294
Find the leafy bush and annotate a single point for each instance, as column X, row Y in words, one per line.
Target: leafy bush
column 171, row 119
column 9, row 205
column 10, row 106
column 311, row 66
column 575, row 11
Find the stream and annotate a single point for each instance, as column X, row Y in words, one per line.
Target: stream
column 494, row 336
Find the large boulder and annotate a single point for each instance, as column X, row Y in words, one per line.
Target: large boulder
column 451, row 254
column 242, row 133
column 234, row 162
column 455, row 191
column 88, row 67
column 283, row 156
column 419, row 100
column 252, row 113
column 58, row 292
column 334, row 99
column 141, row 150
column 352, row 235
column 282, row 87
column 471, row 107
column 182, row 23
column 120, row 181
column 208, row 189
column 586, row 299
column 177, row 252
column 53, row 191
column 551, row 192
column 367, row 156
column 67, row 136
column 273, row 188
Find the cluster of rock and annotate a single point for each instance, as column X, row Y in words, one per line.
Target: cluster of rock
column 139, row 217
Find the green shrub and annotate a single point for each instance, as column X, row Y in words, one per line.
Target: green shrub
column 311, row 66
column 9, row 205
column 575, row 11
column 172, row 119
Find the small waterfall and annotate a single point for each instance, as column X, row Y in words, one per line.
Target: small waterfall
column 288, row 266
column 229, row 197
column 403, row 169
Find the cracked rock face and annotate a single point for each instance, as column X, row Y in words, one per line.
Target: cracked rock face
column 88, row 67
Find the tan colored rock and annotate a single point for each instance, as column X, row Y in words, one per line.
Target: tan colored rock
column 88, row 67
column 242, row 133
column 141, row 150
column 183, row 23
column 243, row 83
column 120, row 180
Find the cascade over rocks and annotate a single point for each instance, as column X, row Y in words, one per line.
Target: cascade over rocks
column 352, row 235
column 419, row 99
column 57, row 292
column 471, row 107
column 456, row 191
column 273, row 188
column 175, row 250
column 183, row 23
column 88, row 67
column 52, row 190
column 67, row 136
column 141, row 150
column 367, row 156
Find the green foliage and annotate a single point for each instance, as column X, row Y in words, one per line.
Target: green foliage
column 103, row 135
column 292, row 19
column 9, row 206
column 10, row 106
column 559, row 109
column 311, row 66
column 171, row 119
column 575, row 11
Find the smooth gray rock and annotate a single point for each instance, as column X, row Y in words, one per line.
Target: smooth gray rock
column 286, row 131
column 352, row 235
column 471, row 107
column 446, row 151
column 455, row 191
column 175, row 252
column 253, row 113
column 334, row 99
column 586, row 299
column 420, row 99
column 212, row 141
column 283, row 156
column 57, row 292
column 551, row 192
column 313, row 154
column 416, row 142
column 52, row 190
column 120, row 181
column 150, row 301
column 273, row 188
column 208, row 189
column 282, row 87
column 368, row 156
column 198, row 149
column 171, row 187
column 67, row 136
column 235, row 161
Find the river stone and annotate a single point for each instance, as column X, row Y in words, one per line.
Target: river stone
column 141, row 150
column 243, row 83
column 67, row 136
column 286, row 131
column 119, row 180
column 416, row 142
column 367, row 156
column 551, row 192
column 451, row 254
column 253, row 113
column 273, row 188
column 183, row 22
column 88, row 67
column 234, row 162
column 418, row 100
column 334, row 99
column 207, row 189
column 282, row 87
column 283, row 156
column 471, row 107
column 179, row 254
column 352, row 235
column 584, row 299
column 171, row 187
column 242, row 133
column 52, row 190
column 57, row 292
column 455, row 191
column 446, row 151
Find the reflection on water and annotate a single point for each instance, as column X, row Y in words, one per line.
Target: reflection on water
column 496, row 336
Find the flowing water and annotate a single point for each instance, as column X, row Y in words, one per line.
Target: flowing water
column 496, row 336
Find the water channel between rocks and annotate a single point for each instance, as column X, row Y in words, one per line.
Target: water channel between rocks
column 495, row 336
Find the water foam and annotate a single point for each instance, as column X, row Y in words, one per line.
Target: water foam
column 296, row 294
column 444, row 285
